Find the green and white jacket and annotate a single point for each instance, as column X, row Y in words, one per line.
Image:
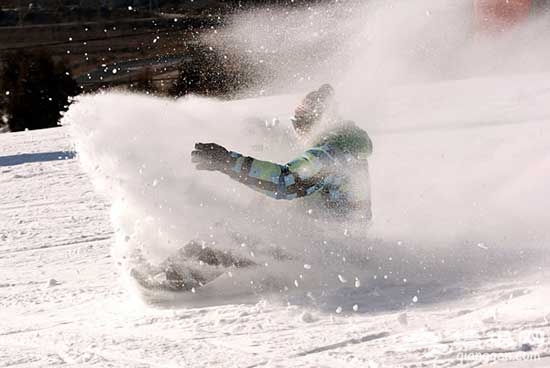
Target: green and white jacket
column 334, row 170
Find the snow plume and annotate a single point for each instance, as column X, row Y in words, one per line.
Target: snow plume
column 366, row 48
column 459, row 174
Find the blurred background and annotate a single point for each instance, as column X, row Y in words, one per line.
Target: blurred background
column 53, row 50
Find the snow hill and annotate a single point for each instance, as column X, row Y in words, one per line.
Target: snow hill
column 451, row 273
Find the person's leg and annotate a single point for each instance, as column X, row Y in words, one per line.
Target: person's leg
column 214, row 257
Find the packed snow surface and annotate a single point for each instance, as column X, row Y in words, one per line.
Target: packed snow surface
column 451, row 272
column 453, row 264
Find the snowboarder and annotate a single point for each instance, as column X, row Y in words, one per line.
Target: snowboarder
column 334, row 170
column 333, row 173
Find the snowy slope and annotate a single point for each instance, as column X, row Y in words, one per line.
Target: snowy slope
column 457, row 255
column 452, row 271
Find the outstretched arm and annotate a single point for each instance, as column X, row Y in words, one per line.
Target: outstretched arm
column 300, row 177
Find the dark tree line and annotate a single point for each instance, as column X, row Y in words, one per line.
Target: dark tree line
column 212, row 72
column 35, row 90
column 204, row 71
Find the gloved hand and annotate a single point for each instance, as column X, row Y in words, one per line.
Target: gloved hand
column 212, row 157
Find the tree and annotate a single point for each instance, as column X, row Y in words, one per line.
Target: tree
column 37, row 90
column 144, row 82
column 2, row 109
column 212, row 73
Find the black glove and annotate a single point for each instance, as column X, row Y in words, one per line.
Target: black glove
column 212, row 157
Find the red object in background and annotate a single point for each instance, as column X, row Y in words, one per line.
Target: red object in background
column 498, row 15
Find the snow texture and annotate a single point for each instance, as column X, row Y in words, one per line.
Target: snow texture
column 63, row 302
column 452, row 269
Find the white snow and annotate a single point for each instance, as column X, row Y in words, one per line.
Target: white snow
column 452, row 271
column 55, row 227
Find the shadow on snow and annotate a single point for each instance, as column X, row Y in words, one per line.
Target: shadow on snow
column 25, row 158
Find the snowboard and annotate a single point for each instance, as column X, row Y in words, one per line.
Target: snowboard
column 192, row 267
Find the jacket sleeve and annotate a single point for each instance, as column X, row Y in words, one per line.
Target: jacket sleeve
column 300, row 177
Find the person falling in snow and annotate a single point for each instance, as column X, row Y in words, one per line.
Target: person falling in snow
column 332, row 172
column 332, row 175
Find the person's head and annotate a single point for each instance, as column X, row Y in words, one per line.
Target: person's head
column 312, row 108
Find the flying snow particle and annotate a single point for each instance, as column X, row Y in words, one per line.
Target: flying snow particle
column 415, row 299
column 357, row 282
column 482, row 246
column 342, row 279
column 307, row 317
column 53, row 282
column 115, row 70
column 130, row 8
column 339, row 310
column 355, row 307
column 307, row 266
